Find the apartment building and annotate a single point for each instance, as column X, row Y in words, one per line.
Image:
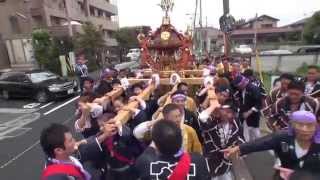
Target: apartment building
column 19, row 17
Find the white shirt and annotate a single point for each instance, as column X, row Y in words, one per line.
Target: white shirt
column 95, row 112
column 309, row 88
column 299, row 151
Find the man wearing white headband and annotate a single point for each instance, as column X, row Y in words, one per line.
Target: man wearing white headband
column 190, row 118
column 298, row 148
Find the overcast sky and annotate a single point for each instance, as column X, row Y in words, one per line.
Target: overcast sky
column 146, row 12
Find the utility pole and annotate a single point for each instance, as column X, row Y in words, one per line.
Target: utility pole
column 226, row 37
column 195, row 32
column 201, row 30
column 255, row 34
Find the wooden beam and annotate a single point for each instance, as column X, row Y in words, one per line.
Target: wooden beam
column 115, row 93
column 109, row 96
column 124, row 116
column 166, row 81
column 197, row 72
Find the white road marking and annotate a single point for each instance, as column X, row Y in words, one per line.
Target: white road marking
column 28, row 149
column 46, row 105
column 58, row 107
column 31, row 105
column 18, row 123
column 19, row 155
column 16, row 110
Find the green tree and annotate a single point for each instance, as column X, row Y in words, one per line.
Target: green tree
column 311, row 32
column 42, row 46
column 127, row 37
column 91, row 43
column 47, row 49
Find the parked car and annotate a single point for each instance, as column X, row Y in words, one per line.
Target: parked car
column 309, row 49
column 276, row 52
column 134, row 54
column 39, row 85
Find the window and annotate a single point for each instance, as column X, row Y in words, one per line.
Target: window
column 100, row 13
column 41, row 76
column 13, row 77
column 266, row 25
column 92, row 11
column 15, row 26
column 81, row 6
column 55, row 21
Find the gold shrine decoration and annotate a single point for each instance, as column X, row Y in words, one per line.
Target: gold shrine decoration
column 125, row 116
column 165, row 36
column 166, row 6
column 166, row 81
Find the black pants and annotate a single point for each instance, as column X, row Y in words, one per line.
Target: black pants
column 81, row 82
column 128, row 174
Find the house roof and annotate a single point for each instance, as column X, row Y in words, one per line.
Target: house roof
column 265, row 30
column 299, row 22
column 258, row 18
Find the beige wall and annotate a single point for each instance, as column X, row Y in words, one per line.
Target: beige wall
column 107, row 25
column 75, row 12
column 102, row 4
column 285, row 63
column 259, row 24
column 9, row 8
column 42, row 11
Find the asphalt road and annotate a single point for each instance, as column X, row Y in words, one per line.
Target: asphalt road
column 20, row 126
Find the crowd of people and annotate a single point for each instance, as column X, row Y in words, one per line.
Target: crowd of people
column 180, row 134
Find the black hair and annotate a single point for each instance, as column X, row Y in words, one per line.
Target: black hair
column 115, row 81
column 53, row 137
column 137, row 85
column 223, row 88
column 170, row 107
column 297, row 85
column 182, row 84
column 178, row 92
column 123, row 99
column 230, row 104
column 314, row 67
column 287, row 76
column 248, row 73
column 167, row 137
column 106, row 117
column 90, row 79
column 87, row 97
column 275, row 81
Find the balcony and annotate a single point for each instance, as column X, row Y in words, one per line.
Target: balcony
column 55, row 12
column 60, row 31
column 36, row 11
column 106, row 25
column 104, row 5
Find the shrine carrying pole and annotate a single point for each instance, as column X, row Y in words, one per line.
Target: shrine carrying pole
column 124, row 116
